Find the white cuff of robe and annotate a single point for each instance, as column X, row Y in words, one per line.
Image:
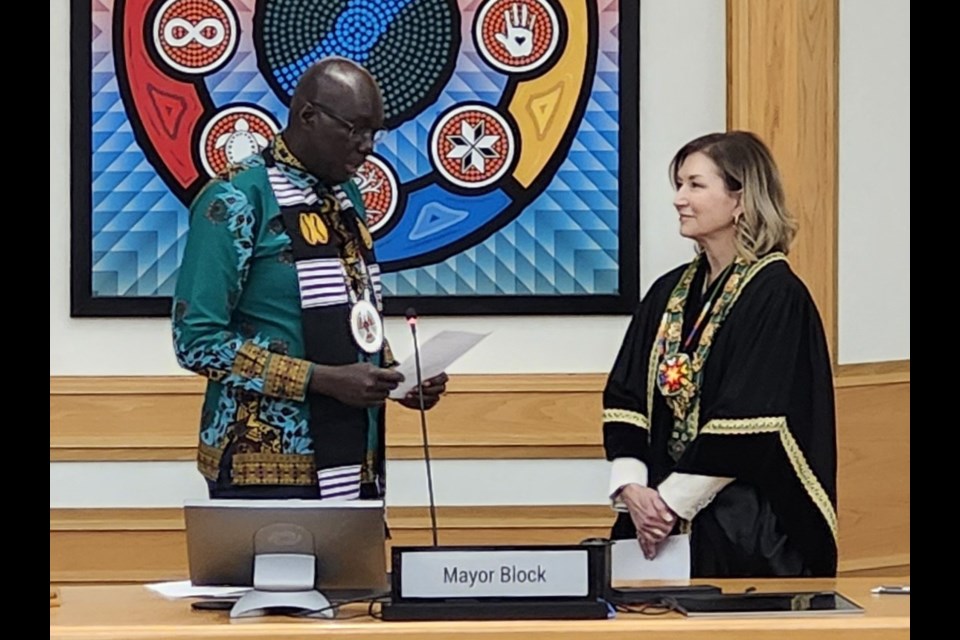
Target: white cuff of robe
column 625, row 471
column 687, row 494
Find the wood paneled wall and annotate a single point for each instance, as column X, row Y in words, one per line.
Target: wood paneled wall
column 527, row 417
column 148, row 545
column 142, row 545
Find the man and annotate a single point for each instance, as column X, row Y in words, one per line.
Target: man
column 278, row 304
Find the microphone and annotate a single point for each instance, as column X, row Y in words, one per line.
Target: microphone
column 411, row 315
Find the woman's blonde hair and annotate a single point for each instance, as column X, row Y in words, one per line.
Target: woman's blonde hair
column 747, row 168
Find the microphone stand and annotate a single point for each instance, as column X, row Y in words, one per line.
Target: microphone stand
column 423, row 431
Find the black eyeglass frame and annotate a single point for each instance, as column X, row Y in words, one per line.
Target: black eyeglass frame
column 352, row 129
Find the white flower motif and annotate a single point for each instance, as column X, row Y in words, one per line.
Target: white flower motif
column 473, row 147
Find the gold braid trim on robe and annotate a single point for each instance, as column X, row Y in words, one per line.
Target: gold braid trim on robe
column 778, row 425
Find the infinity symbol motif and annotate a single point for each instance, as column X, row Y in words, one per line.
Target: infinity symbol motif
column 194, row 32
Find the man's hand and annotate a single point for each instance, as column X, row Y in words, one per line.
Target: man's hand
column 358, row 385
column 432, row 389
column 651, row 516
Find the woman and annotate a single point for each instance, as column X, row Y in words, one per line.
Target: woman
column 719, row 412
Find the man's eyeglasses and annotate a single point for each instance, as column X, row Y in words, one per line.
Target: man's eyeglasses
column 353, row 130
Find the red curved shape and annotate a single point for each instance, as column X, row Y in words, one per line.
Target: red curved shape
column 168, row 109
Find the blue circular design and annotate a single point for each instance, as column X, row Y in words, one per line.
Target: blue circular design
column 410, row 46
column 357, row 30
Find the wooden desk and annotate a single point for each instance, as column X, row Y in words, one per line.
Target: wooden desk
column 134, row 613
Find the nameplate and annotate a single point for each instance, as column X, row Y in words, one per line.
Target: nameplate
column 494, row 573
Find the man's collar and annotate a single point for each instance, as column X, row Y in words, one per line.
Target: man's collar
column 290, row 164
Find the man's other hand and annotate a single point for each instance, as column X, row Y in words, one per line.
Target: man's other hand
column 359, row 385
column 433, row 388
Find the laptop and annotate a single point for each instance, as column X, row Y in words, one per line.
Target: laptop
column 347, row 537
column 801, row 603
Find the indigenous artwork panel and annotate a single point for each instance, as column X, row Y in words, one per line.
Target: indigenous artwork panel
column 507, row 181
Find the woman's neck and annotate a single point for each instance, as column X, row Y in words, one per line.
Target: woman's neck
column 719, row 257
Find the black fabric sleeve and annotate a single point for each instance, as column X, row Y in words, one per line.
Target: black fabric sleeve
column 626, row 416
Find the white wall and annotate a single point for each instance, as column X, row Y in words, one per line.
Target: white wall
column 682, row 89
column 456, row 482
column 874, row 268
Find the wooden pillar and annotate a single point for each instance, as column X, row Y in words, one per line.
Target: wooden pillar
column 782, row 84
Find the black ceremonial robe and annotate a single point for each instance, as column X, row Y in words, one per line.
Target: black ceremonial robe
column 766, row 418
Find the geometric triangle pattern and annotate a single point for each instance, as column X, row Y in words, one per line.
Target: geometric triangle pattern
column 564, row 242
column 138, row 228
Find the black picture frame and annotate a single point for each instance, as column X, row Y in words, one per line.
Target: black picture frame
column 83, row 302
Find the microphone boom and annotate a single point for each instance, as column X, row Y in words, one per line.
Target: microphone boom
column 411, row 315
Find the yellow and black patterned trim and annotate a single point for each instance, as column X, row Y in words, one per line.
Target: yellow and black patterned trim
column 351, row 258
column 273, row 469
column 208, row 461
column 255, row 436
column 368, row 471
column 286, row 377
column 283, row 376
column 778, row 425
column 251, row 361
column 635, row 418
column 388, row 358
column 282, row 153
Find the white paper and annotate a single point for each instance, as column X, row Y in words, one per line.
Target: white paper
column 672, row 561
column 436, row 354
column 185, row 589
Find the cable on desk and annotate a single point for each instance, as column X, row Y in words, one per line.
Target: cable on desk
column 657, row 608
column 336, row 606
